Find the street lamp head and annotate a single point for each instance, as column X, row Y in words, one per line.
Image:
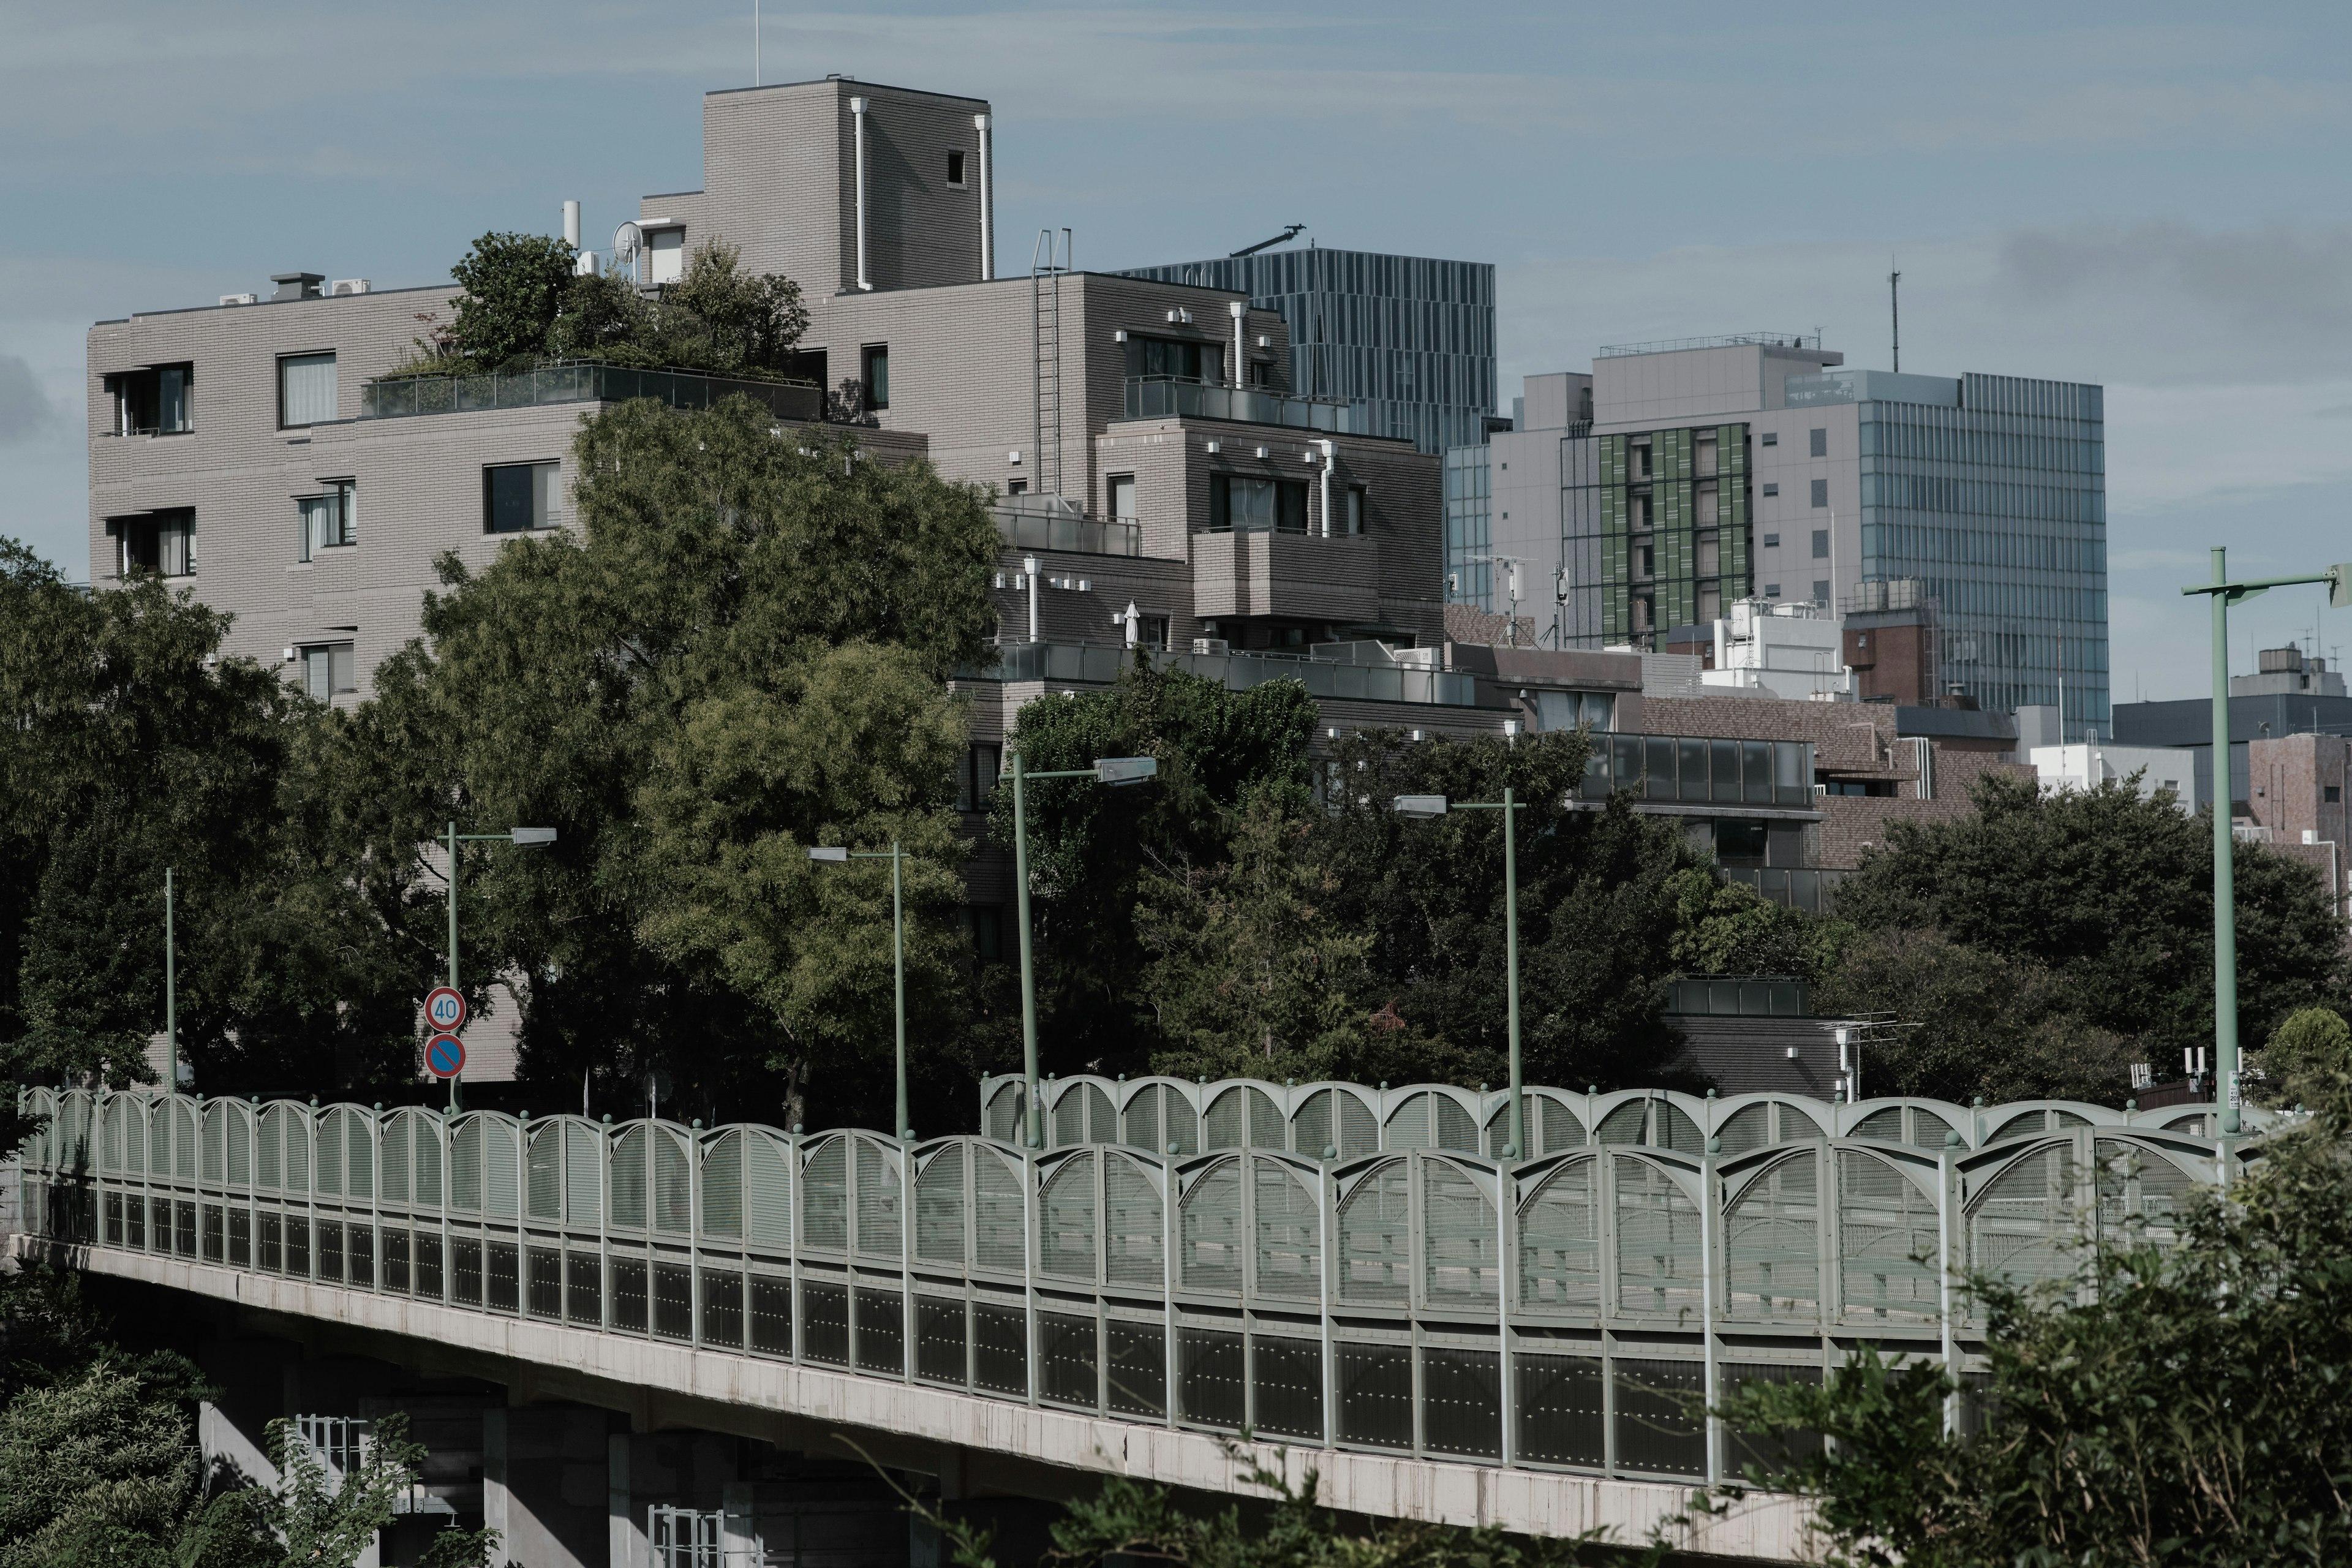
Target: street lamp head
column 1420, row 806
column 1124, row 770
column 533, row 837
column 828, row 852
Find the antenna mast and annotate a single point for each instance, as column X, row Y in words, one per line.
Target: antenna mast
column 1894, row 313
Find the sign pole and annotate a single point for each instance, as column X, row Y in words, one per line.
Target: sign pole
column 1035, row 1138
column 2225, row 909
column 899, row 961
column 171, row 995
column 453, row 945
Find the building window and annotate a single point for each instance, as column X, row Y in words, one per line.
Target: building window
column 1771, row 590
column 330, row 669
column 1772, row 542
column 1649, row 560
column 875, row 361
column 1771, row 437
column 1356, row 511
column 955, row 168
column 1152, row 633
column 1261, row 373
column 1820, row 440
column 1569, row 710
column 1247, row 505
column 306, row 390
column 1820, row 591
column 976, row 777
column 331, row 521
column 1821, row 545
column 2335, row 793
column 152, row 401
column 1820, row 493
column 1122, row 498
column 519, row 497
column 1017, row 487
column 1771, row 490
column 1179, row 361
column 163, row 543
column 1641, row 456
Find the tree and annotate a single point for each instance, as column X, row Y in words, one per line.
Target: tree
column 1249, row 976
column 515, row 285
column 2186, row 1403
column 2307, row 1059
column 1728, row 928
column 716, row 317
column 2113, row 893
column 743, row 652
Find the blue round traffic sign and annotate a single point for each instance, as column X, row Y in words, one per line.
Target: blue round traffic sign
column 445, row 1055
column 445, row 1008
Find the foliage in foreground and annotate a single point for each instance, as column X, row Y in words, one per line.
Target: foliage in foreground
column 2198, row 1410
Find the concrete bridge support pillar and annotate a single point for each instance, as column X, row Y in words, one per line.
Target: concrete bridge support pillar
column 545, row 1485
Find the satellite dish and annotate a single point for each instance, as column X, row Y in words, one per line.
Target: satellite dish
column 627, row 240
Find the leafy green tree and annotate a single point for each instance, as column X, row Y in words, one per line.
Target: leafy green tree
column 2185, row 1404
column 1091, row 849
column 2307, row 1059
column 1728, row 928
column 1249, row 975
column 743, row 653
column 2111, row 893
column 515, row 285
column 1972, row 1021
column 716, row 317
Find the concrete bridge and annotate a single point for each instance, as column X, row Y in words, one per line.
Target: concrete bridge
column 667, row 1333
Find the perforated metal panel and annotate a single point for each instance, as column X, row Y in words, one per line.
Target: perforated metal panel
column 270, row 1161
column 1560, row 1243
column 159, row 1141
column 215, row 1130
column 2141, row 1194
column 1266, row 1124
column 1004, row 1112
column 1134, row 1243
column 1659, row 1428
column 1227, row 1120
column 240, row 1146
column 1456, row 1130
column 1209, row 1378
column 1142, row 1119
column 881, row 1213
column 1629, row 1123
column 1675, row 1128
column 673, row 1193
column 358, row 1155
column 1289, row 1238
column 768, row 1189
column 544, row 1169
column 1376, row 1238
column 465, row 1167
column 939, row 1211
column 1069, row 1117
column 1134, row 1367
column 1067, row 1360
column 1657, row 1243
column 1927, row 1129
column 630, row 1160
column 1286, row 1387
column 1771, row 1239
column 1182, row 1127
column 723, row 1188
column 1460, row 1242
column 1563, row 1419
column 1311, row 1129
column 1375, row 1394
column 1210, row 1255
column 331, row 1151
column 2020, row 1225
column 396, row 1139
column 2032, row 1124
column 1884, row 1225
column 1462, row 1402
column 1885, row 1124
column 584, row 1173
column 1409, row 1125
column 1749, row 1127
column 1796, row 1125
column 824, row 1197
column 998, row 1219
column 1556, row 1127
column 501, row 1176
column 1065, row 1221
column 425, row 1170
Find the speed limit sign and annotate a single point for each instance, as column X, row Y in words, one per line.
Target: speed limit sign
column 444, row 1008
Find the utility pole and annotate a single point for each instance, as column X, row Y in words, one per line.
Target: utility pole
column 1895, row 313
column 171, row 995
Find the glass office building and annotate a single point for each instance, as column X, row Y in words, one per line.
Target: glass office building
column 1469, row 527
column 1408, row 342
column 1991, row 490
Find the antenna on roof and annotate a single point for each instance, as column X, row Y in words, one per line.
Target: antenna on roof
column 1289, row 232
column 1894, row 311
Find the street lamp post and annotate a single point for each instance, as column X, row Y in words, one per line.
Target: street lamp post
column 2224, row 594
column 171, row 995
column 1108, row 770
column 1433, row 805
column 526, row 838
column 896, row 857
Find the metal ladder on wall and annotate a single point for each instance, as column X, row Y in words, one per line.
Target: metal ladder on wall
column 1047, row 264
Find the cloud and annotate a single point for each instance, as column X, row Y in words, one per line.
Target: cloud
column 24, row 410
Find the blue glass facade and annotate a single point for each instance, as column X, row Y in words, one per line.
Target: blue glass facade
column 1469, row 527
column 1407, row 341
column 1993, row 494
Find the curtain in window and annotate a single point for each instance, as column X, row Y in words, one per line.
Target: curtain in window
column 172, row 399
column 175, row 546
column 318, row 524
column 306, row 389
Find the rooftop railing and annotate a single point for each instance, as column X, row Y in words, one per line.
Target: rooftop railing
column 403, row 397
column 1703, row 770
column 1049, row 523
column 1100, row 666
column 1327, row 1264
column 1165, row 397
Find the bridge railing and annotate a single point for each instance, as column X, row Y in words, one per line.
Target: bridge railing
column 1410, row 1296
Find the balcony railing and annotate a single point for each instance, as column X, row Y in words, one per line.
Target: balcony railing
column 1324, row 1264
column 1100, row 666
column 1049, row 523
column 1165, row 397
column 1701, row 770
column 403, row 397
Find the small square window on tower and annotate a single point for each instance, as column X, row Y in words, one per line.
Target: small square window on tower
column 955, row 168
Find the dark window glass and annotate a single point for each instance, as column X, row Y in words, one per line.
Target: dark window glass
column 1462, row 1402
column 876, row 361
column 1659, row 1427
column 1820, row 493
column 1000, row 1351
column 955, row 166
column 722, row 1307
column 1209, row 1378
column 1066, row 1360
column 1560, row 1414
column 466, row 1272
column 628, row 1295
column 1221, row 500
column 501, row 1276
column 1135, row 1370
column 583, row 1279
column 1290, row 515
column 772, row 1315
column 673, row 1302
column 824, row 1323
column 1290, row 1393
column 1375, row 1394
column 1819, row 442
column 520, row 496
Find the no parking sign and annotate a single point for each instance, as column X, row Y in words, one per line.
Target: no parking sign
column 445, row 1056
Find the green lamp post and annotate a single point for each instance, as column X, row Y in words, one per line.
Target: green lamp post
column 1427, row 806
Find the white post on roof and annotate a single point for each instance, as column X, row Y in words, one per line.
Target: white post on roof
column 1029, row 564
column 572, row 225
column 1241, row 358
column 987, row 237
column 857, row 111
column 1330, row 457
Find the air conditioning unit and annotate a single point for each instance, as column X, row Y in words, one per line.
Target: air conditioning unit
column 1179, row 317
column 238, row 298
column 350, row 285
column 1215, row 647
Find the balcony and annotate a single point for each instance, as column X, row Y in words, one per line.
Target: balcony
column 1050, row 522
column 1773, row 776
column 1171, row 398
column 403, row 397
column 1070, row 663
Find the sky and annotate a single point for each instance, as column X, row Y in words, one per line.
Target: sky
column 2154, row 196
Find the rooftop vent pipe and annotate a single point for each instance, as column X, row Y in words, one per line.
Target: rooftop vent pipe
column 987, row 240
column 858, row 109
